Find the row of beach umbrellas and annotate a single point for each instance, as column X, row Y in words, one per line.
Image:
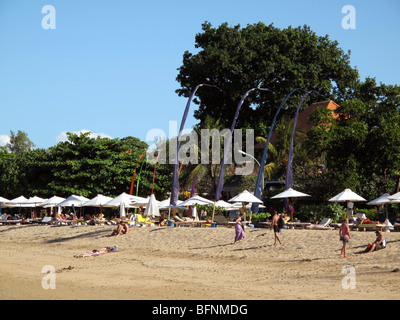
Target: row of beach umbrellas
column 347, row 196
column 153, row 207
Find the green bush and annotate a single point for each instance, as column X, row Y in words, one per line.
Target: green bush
column 317, row 212
column 260, row 217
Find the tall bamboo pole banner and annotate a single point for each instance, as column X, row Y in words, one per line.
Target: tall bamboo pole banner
column 138, row 179
column 155, row 166
column 259, row 190
column 175, row 174
column 289, row 170
column 229, row 140
column 134, row 173
column 192, row 191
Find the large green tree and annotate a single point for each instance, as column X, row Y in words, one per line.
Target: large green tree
column 361, row 146
column 81, row 165
column 19, row 142
column 237, row 59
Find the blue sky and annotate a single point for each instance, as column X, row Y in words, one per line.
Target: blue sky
column 110, row 66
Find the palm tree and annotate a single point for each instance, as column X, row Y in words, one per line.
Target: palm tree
column 280, row 151
column 270, row 168
column 205, row 170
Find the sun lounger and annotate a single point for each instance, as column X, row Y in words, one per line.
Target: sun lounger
column 46, row 220
column 188, row 222
column 301, row 225
column 221, row 221
column 15, row 221
column 323, row 225
column 141, row 220
column 371, row 226
column 3, row 218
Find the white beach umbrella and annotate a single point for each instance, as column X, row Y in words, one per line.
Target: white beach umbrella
column 290, row 193
column 152, row 207
column 245, row 196
column 16, row 202
column 196, row 200
column 383, row 201
column 122, row 213
column 396, row 196
column 347, row 196
column 238, row 205
column 32, row 202
column 223, row 204
column 97, row 201
column 127, row 199
column 73, row 200
column 166, row 205
column 2, row 200
column 51, row 202
column 192, row 201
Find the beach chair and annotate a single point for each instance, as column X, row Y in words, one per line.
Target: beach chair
column 46, row 220
column 221, row 220
column 180, row 222
column 323, row 225
column 13, row 221
column 143, row 221
column 298, row 224
column 3, row 218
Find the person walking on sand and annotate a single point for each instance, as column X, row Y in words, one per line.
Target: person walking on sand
column 239, row 231
column 275, row 226
column 344, row 234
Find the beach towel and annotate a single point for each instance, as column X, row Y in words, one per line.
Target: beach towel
column 239, row 232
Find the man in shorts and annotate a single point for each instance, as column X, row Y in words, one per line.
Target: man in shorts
column 275, row 226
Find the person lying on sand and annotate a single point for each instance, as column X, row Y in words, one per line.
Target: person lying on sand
column 97, row 252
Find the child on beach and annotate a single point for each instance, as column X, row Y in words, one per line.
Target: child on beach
column 344, row 234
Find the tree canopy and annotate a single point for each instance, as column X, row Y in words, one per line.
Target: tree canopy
column 236, row 59
column 82, row 165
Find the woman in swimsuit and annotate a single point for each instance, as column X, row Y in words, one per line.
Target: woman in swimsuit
column 344, row 234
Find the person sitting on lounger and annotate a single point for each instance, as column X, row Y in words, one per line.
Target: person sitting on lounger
column 380, row 243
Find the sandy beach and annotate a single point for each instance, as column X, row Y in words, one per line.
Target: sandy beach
column 192, row 263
